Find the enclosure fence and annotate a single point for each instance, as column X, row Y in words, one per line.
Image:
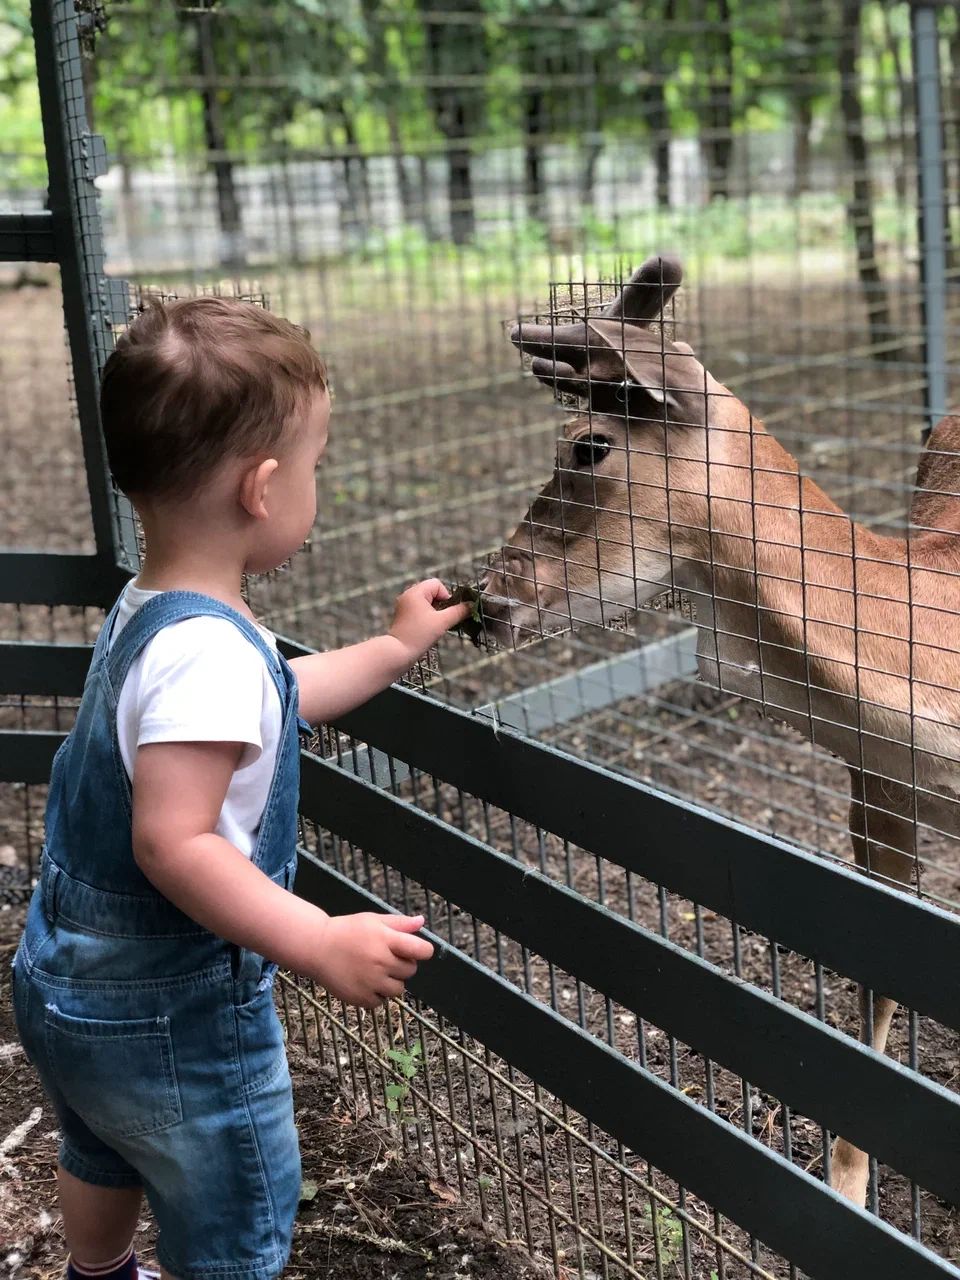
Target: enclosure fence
column 637, row 1043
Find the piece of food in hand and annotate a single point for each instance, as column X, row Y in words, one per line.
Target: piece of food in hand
column 466, row 593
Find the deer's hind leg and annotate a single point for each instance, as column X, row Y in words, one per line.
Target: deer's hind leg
column 883, row 834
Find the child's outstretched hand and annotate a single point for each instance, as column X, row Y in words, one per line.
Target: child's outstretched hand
column 417, row 624
column 366, row 958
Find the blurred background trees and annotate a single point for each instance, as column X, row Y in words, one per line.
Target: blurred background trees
column 581, row 112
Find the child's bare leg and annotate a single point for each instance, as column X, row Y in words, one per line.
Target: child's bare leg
column 98, row 1222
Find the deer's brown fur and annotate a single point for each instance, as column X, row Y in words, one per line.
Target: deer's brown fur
column 849, row 636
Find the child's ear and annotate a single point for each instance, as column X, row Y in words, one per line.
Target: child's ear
column 254, row 482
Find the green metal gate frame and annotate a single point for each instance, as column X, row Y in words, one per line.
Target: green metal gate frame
column 819, row 909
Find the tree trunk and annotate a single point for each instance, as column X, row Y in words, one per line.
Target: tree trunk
column 718, row 145
column 533, row 183
column 591, row 137
column 904, row 108
column 656, row 112
column 802, row 125
column 860, row 206
column 658, row 127
column 460, row 192
column 290, row 208
column 379, row 62
column 409, row 208
column 354, row 205
column 592, row 151
column 91, row 21
column 452, row 52
column 357, row 174
column 232, row 249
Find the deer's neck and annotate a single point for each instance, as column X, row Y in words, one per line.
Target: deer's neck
column 772, row 564
column 842, row 633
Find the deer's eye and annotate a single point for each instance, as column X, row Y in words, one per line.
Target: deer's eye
column 589, row 450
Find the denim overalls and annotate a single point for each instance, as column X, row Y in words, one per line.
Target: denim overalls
column 158, row 1042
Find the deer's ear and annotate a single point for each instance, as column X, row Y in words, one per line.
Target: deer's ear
column 562, row 341
column 651, row 371
column 648, row 291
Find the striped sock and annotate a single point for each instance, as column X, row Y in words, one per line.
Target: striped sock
column 122, row 1268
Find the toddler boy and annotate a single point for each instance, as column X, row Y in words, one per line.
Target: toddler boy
column 143, row 982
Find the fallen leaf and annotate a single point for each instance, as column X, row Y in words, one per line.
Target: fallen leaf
column 444, row 1193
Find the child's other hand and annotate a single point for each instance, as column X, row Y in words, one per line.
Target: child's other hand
column 367, row 958
column 417, row 624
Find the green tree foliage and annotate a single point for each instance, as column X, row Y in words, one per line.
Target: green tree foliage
column 215, row 84
column 21, row 136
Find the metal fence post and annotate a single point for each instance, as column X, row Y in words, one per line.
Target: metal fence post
column 931, row 207
column 92, row 302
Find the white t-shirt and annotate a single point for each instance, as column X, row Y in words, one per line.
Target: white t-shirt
column 201, row 680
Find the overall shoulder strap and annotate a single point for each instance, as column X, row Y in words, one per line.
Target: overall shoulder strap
column 164, row 610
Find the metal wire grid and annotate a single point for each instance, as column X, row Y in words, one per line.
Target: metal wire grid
column 536, row 1173
column 335, row 617
column 572, row 534
column 22, row 804
column 460, row 1108
column 43, row 496
column 402, row 318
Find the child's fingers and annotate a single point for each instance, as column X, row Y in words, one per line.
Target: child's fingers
column 432, row 589
column 453, row 616
column 388, row 987
column 403, row 924
column 402, row 969
column 407, row 946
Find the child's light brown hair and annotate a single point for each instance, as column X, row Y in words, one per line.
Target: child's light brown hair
column 198, row 380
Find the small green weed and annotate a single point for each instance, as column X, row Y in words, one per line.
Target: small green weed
column 407, row 1062
column 669, row 1231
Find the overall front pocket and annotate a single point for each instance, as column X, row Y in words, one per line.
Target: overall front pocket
column 117, row 1075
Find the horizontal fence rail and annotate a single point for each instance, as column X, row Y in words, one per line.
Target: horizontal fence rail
column 884, row 1107
column 780, row 1204
column 811, row 906
column 27, row 757
column 53, row 578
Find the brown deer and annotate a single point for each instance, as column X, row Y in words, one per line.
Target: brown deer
column 667, row 481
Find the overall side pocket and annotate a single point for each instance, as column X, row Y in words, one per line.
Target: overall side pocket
column 118, row 1075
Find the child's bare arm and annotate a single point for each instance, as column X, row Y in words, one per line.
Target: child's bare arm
column 336, row 682
column 178, row 792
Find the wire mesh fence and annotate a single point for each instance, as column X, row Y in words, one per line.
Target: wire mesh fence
column 407, row 187
column 417, row 179
column 534, row 1168
column 445, row 164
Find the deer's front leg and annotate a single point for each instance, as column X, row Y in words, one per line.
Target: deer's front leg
column 884, row 839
